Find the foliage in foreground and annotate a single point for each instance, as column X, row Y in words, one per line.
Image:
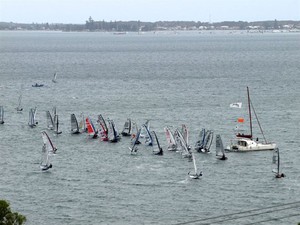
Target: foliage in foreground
column 7, row 217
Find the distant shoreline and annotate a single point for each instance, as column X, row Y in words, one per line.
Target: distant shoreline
column 137, row 26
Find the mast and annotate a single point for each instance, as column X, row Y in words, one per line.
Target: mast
column 249, row 108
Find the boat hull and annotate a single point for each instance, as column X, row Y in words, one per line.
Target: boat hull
column 249, row 145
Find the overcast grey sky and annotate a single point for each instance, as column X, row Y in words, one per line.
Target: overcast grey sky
column 78, row 11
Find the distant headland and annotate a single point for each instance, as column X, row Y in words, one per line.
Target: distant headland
column 138, row 26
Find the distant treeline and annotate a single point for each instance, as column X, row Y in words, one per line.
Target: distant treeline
column 136, row 26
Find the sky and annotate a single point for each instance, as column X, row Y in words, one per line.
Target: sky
column 78, row 11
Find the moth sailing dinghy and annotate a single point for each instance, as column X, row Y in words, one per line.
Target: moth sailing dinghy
column 195, row 175
column 48, row 150
column 220, row 147
column 56, row 125
column 93, row 133
column 157, row 150
column 276, row 161
column 20, row 108
column 170, row 139
column 245, row 142
column 1, row 115
column 145, row 127
column 50, row 123
column 135, row 134
column 205, row 141
column 54, row 77
column 74, row 125
column 32, row 114
column 147, row 134
column 134, row 147
column 127, row 128
column 82, row 124
column 103, row 129
column 181, row 144
column 113, row 134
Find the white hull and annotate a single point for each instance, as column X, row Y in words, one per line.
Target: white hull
column 248, row 145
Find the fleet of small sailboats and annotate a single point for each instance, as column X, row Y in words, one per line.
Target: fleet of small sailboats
column 177, row 140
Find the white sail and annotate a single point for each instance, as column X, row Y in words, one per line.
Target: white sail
column 144, row 129
column 200, row 142
column 56, row 125
column 48, row 149
column 51, row 149
column 82, row 124
column 135, row 142
column 170, row 139
column 31, row 121
column 185, row 133
column 196, row 175
column 54, row 77
column 127, row 128
column 50, row 123
column 219, row 145
column 19, row 108
column 74, row 125
column 182, row 145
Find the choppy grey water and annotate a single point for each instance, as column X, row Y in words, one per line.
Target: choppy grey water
column 172, row 79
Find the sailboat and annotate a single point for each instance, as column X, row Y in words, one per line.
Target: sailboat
column 74, row 125
column 48, row 149
column 113, row 134
column 56, row 123
column 204, row 141
column 276, row 160
column 170, row 139
column 82, row 124
column 134, row 148
column 91, row 128
column 220, row 147
column 182, row 145
column 157, row 150
column 1, row 115
column 147, row 134
column 145, row 127
column 54, row 77
column 19, row 108
column 32, row 123
column 195, row 175
column 127, row 128
column 245, row 142
column 50, row 123
column 103, row 129
column 135, row 134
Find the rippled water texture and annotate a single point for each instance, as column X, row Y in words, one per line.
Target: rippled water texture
column 171, row 79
